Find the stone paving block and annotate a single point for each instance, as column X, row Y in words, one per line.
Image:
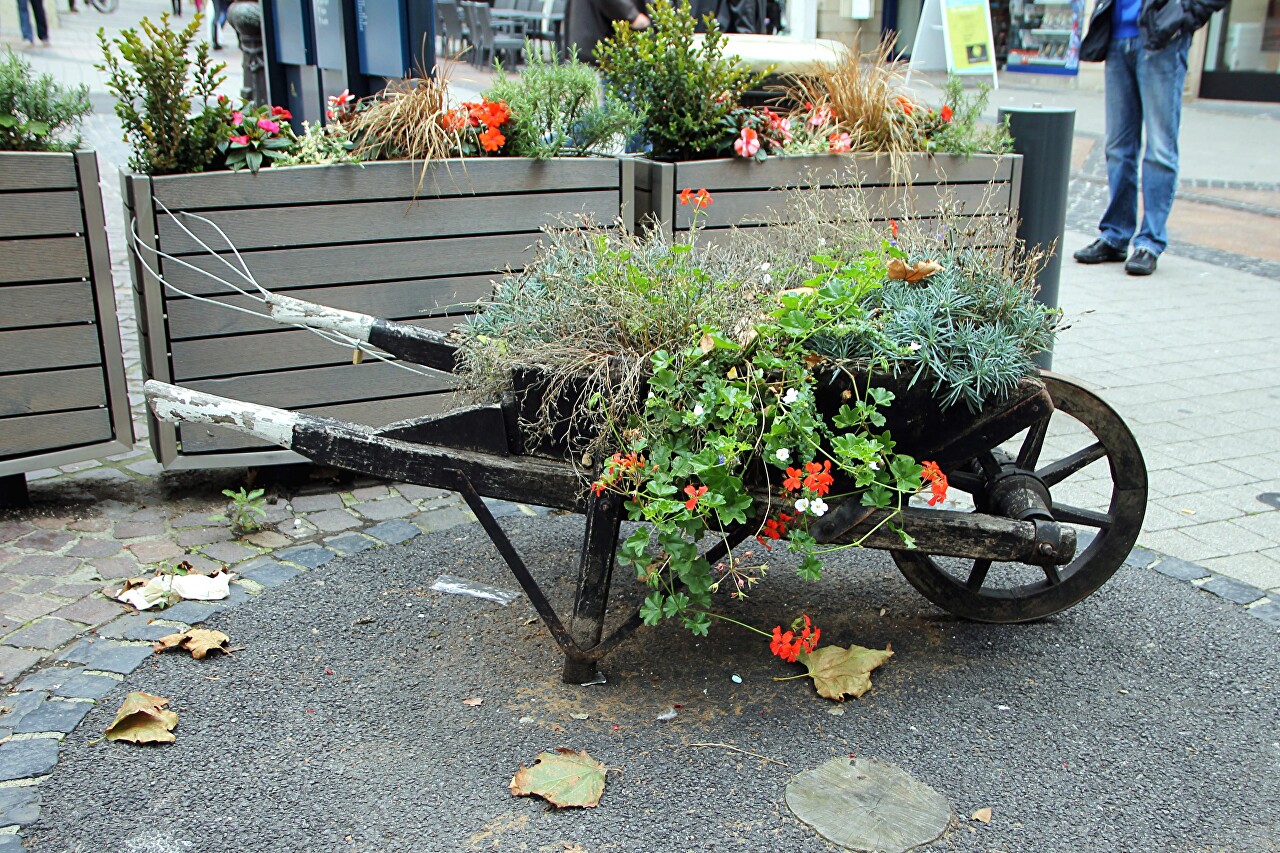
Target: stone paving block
column 99, row 477
column 23, row 759
column 1232, row 590
column 1229, row 538
column 386, row 509
column 10, row 530
column 268, row 572
column 445, row 518
column 136, row 626
column 236, row 594
column 229, row 552
column 9, row 625
column 502, row 509
column 156, row 551
column 43, row 565
column 1178, row 543
column 46, row 540
column 109, row 568
column 423, row 493
column 369, row 493
column 394, row 531
column 90, row 525
column 111, row 656
column 55, row 715
column 20, row 704
column 11, row 844
column 312, row 556
column 51, row 522
column 37, row 586
column 47, row 633
column 334, row 520
column 74, row 590
column 315, row 503
column 1180, row 569
column 268, row 539
column 203, row 564
column 351, row 543
column 194, row 536
column 196, row 519
column 190, row 612
column 24, row 608
column 19, row 806
column 146, row 468
column 50, row 678
column 80, row 466
column 1269, row 612
column 86, row 686
column 1141, row 557
column 91, row 611
column 79, row 651
column 296, row 528
column 138, row 529
column 94, row 548
column 1258, row 569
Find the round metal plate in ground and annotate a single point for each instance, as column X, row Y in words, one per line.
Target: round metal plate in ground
column 868, row 806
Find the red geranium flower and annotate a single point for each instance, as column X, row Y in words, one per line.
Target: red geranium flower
column 694, row 493
column 788, row 646
column 492, row 139
column 932, row 474
column 793, row 480
column 819, row 477
column 947, row 113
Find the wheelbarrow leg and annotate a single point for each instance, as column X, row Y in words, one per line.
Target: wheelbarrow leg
column 595, row 571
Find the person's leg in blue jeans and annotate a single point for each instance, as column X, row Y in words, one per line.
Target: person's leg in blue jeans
column 24, row 21
column 1124, row 104
column 1160, row 78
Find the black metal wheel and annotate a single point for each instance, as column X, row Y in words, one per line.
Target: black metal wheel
column 1105, row 504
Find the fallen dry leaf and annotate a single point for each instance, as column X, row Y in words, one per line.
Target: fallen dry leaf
column 899, row 271
column 706, row 343
column 473, row 702
column 198, row 641
column 982, row 815
column 142, row 719
column 838, row 672
column 563, row 778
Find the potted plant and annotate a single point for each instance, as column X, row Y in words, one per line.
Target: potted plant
column 902, row 157
column 62, row 386
column 403, row 205
column 799, row 371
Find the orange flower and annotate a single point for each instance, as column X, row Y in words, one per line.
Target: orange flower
column 492, row 139
column 893, row 226
column 932, row 474
column 497, row 113
column 947, row 113
column 788, row 646
column 694, row 493
column 453, row 121
column 686, row 194
column 792, row 482
column 702, row 200
column 906, row 104
column 819, row 479
column 598, row 487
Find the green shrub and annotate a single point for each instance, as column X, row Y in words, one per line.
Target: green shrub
column 37, row 114
column 167, row 101
column 557, row 110
column 682, row 89
column 965, row 133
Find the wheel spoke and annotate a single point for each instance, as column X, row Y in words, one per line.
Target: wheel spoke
column 978, row 574
column 1029, row 454
column 1077, row 515
column 1052, row 575
column 1064, row 468
column 966, row 482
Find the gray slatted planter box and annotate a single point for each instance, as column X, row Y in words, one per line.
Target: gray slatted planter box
column 62, row 386
column 747, row 194
column 348, row 237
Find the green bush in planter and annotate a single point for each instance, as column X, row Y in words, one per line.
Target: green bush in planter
column 37, row 114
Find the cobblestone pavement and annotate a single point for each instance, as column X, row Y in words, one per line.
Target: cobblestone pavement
column 1187, row 357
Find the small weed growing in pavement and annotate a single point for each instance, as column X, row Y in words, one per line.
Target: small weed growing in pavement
column 245, row 510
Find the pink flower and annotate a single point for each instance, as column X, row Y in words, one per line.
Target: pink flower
column 268, row 125
column 747, row 144
column 839, row 143
column 240, row 140
column 237, row 117
column 820, row 116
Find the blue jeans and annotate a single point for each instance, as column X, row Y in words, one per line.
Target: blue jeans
column 1144, row 91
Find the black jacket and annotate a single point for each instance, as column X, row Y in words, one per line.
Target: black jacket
column 1160, row 22
column 591, row 21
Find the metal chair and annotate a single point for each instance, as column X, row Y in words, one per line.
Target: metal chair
column 488, row 40
column 455, row 36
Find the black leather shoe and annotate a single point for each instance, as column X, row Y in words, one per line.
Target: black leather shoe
column 1099, row 252
column 1141, row 262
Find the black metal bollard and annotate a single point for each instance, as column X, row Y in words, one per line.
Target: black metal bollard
column 1042, row 135
column 245, row 17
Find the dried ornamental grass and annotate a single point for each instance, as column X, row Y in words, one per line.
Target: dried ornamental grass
column 406, row 121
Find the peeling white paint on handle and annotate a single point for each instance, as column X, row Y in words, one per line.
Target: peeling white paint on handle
column 286, row 309
column 182, row 405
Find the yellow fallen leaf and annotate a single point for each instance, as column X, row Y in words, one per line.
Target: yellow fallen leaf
column 563, row 778
column 899, row 271
column 982, row 815
column 198, row 641
column 706, row 343
column 142, row 719
column 838, row 672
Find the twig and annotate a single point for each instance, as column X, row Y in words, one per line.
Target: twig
column 744, row 752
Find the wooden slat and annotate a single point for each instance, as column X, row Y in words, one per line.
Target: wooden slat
column 43, row 259
column 323, row 386
column 22, row 306
column 36, row 171
column 760, row 207
column 336, row 224
column 199, row 438
column 38, row 433
column 281, row 269
column 382, row 181
column 52, row 391
column 284, row 350
column 393, row 300
column 828, row 169
column 45, row 349
column 40, row 214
